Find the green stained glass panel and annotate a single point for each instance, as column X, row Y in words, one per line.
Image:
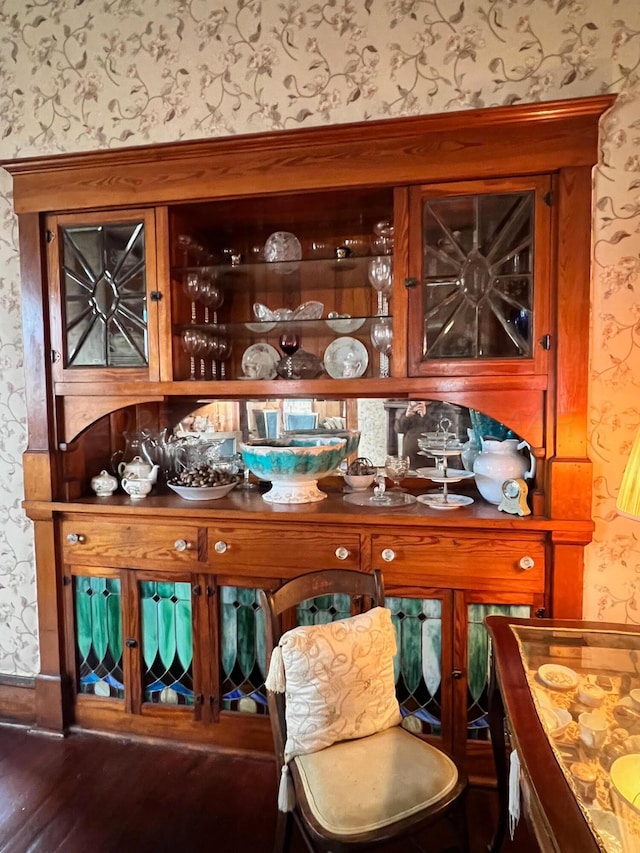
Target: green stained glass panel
column 478, row 660
column 418, row 664
column 98, row 625
column 167, row 642
column 105, row 306
column 242, row 658
column 323, row 609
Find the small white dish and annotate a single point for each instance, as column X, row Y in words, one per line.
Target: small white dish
column 202, row 493
column 635, row 698
column 454, row 475
column 346, row 358
column 590, row 694
column 261, row 328
column 557, row 677
column 259, row 361
column 359, row 482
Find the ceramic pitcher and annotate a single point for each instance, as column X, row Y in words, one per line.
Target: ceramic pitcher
column 499, row 461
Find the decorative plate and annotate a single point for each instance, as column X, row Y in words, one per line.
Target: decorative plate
column 346, row 358
column 454, row 475
column 282, row 246
column 438, row 501
column 557, row 677
column 259, row 361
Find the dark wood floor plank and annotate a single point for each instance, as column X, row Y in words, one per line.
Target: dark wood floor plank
column 93, row 794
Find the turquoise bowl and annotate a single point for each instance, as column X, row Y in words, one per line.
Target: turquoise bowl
column 294, row 465
column 351, row 435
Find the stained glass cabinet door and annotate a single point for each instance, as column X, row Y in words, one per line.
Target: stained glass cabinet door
column 479, row 277
column 105, row 301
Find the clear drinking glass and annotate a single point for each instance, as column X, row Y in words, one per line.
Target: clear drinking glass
column 396, row 468
column 382, row 339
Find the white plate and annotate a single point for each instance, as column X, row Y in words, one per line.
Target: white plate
column 344, row 351
column 282, row 246
column 438, row 501
column 345, row 325
column 454, row 475
column 202, row 493
column 259, row 361
column 557, row 677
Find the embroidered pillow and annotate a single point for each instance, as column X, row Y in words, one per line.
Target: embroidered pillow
column 338, row 680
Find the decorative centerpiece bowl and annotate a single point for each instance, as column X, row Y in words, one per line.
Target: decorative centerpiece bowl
column 294, row 465
column 352, row 436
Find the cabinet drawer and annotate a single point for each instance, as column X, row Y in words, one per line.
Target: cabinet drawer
column 282, row 551
column 461, row 562
column 125, row 543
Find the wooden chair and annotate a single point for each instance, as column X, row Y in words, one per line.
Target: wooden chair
column 416, row 784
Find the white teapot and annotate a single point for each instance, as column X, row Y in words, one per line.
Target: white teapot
column 139, row 468
column 499, row 461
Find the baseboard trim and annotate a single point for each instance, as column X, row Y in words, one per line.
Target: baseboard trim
column 18, row 699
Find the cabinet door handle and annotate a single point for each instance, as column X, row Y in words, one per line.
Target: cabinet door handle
column 457, row 674
column 342, row 553
column 221, row 547
column 130, row 643
column 183, row 545
column 388, row 555
column 527, row 563
column 75, row 538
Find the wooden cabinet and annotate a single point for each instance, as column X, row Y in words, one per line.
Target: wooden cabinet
column 150, row 276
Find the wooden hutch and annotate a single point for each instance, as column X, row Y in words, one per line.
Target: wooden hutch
column 491, row 215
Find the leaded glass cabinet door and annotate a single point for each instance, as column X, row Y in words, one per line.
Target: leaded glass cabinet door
column 472, row 658
column 105, row 300
column 479, row 277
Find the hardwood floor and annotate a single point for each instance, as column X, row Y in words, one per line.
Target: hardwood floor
column 93, row 794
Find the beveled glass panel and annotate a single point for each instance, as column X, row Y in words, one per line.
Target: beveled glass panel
column 242, row 652
column 167, row 642
column 104, row 295
column 478, row 276
column 478, row 659
column 99, row 636
column 418, row 664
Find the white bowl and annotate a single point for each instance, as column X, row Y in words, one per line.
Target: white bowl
column 203, row 493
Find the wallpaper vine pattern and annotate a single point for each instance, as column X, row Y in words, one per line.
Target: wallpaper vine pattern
column 86, row 74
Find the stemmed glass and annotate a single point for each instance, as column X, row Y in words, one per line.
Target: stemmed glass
column 396, row 468
column 382, row 339
column 192, row 287
column 194, row 343
column 289, row 342
column 211, row 295
column 380, row 272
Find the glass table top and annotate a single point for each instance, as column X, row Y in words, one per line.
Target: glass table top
column 586, row 689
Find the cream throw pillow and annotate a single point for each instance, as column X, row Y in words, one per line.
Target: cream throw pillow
column 338, row 680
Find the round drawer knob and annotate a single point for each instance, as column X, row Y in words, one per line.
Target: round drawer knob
column 526, row 563
column 75, row 538
column 220, row 547
column 182, row 545
column 342, row 553
column 388, row 555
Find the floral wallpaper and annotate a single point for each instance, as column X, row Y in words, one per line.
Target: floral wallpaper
column 86, row 74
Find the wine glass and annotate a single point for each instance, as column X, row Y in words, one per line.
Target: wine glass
column 194, row 342
column 382, row 339
column 289, row 342
column 211, row 295
column 380, row 272
column 192, row 287
column 396, row 468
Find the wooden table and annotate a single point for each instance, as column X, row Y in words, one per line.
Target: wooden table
column 562, row 813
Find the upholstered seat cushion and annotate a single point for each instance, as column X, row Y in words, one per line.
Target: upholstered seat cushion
column 359, row 785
